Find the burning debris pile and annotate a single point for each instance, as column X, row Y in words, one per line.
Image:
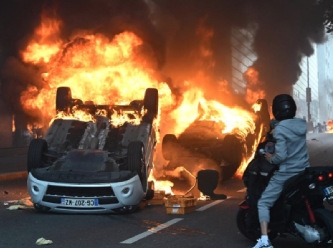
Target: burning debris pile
column 111, row 51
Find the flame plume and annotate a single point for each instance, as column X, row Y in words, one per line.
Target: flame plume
column 115, row 70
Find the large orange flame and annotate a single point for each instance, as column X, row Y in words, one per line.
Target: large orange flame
column 254, row 86
column 94, row 67
column 196, row 106
column 113, row 71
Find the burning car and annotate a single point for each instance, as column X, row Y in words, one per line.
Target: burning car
column 94, row 166
column 205, row 145
column 204, row 139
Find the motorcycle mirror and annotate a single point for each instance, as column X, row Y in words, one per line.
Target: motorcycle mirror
column 207, row 183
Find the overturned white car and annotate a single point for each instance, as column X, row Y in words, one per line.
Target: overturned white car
column 94, row 166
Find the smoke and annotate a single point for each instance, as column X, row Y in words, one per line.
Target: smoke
column 287, row 31
column 190, row 40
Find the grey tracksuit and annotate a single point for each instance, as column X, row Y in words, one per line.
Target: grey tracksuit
column 292, row 157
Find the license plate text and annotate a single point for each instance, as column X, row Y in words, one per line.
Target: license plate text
column 79, row 203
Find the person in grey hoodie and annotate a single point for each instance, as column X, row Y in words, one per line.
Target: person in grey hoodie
column 291, row 156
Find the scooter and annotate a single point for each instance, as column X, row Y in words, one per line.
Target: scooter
column 300, row 210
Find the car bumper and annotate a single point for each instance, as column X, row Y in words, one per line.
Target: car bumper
column 85, row 198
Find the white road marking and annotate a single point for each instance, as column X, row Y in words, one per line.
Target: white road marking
column 151, row 231
column 242, row 190
column 165, row 225
column 209, row 205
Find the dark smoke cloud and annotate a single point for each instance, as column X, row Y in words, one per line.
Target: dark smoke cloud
column 286, row 33
column 287, row 30
column 18, row 18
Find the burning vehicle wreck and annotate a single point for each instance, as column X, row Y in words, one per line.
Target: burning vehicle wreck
column 102, row 64
column 205, row 144
column 206, row 139
column 94, row 166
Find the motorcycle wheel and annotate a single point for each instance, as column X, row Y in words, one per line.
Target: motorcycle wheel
column 324, row 221
column 252, row 233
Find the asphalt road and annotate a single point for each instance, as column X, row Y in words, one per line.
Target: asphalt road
column 212, row 224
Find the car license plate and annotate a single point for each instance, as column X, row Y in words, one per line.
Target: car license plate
column 328, row 191
column 79, row 203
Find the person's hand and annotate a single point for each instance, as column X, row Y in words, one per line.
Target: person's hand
column 268, row 156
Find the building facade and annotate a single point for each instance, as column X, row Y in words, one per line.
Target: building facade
column 313, row 91
column 305, row 90
column 325, row 77
column 242, row 56
column 317, row 76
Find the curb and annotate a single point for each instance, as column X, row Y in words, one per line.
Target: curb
column 13, row 176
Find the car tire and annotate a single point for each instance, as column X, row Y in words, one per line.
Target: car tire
column 136, row 161
column 64, row 100
column 150, row 191
column 169, row 145
column 207, row 181
column 36, row 151
column 150, row 102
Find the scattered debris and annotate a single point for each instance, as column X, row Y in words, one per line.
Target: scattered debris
column 180, row 204
column 158, row 198
column 42, row 241
column 204, row 197
column 16, row 207
column 19, row 204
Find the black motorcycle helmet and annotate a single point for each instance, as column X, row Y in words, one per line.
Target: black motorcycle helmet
column 284, row 107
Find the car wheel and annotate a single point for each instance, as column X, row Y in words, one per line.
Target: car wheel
column 64, row 99
column 150, row 191
column 150, row 101
column 36, row 150
column 136, row 161
column 169, row 144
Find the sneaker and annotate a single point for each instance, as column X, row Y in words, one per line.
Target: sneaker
column 261, row 244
